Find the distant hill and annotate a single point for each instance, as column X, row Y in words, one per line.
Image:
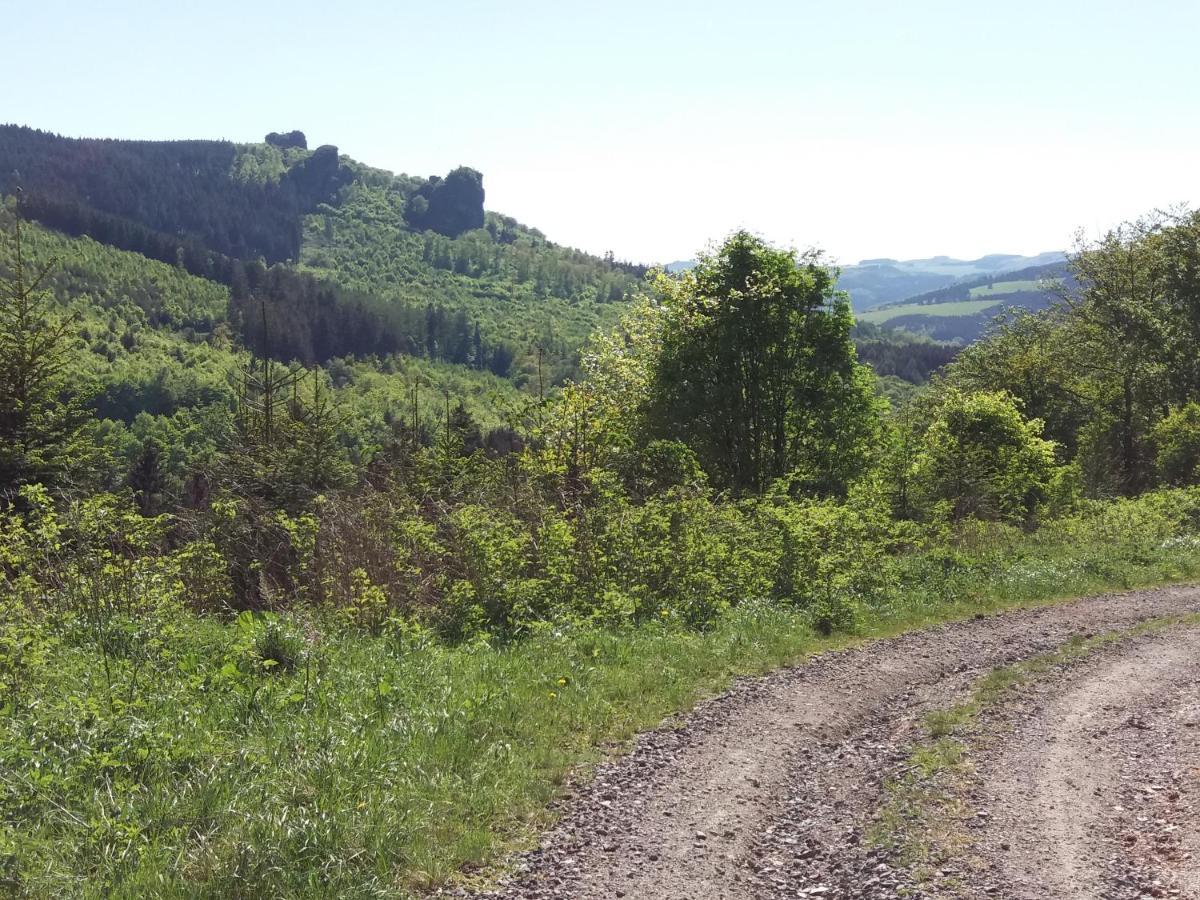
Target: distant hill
column 964, row 310
column 874, row 282
column 348, row 260
column 241, row 201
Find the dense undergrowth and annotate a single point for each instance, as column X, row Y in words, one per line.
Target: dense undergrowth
column 151, row 749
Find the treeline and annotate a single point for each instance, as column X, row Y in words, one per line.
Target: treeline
column 288, row 315
column 138, row 195
column 1114, row 372
column 80, row 220
column 911, row 357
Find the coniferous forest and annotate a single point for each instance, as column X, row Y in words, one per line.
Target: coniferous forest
column 343, row 519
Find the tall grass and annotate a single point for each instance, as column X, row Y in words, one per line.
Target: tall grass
column 291, row 756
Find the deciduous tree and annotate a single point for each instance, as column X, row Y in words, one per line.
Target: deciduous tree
column 758, row 373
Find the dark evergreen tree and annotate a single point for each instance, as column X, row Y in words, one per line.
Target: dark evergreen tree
column 43, row 434
column 288, row 141
column 146, row 478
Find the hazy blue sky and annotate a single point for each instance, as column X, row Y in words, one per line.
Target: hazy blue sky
column 649, row 128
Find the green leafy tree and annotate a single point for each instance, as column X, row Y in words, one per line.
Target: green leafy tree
column 600, row 421
column 1177, row 441
column 1180, row 245
column 1122, row 330
column 982, row 459
column 1035, row 357
column 757, row 371
column 1104, row 367
column 42, row 425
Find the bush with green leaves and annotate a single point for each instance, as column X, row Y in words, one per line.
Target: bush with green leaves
column 1177, row 446
column 979, row 457
column 833, row 560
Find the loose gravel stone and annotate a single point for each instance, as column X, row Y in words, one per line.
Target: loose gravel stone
column 766, row 791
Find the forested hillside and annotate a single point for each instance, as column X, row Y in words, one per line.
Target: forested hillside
column 503, row 280
column 391, row 264
column 242, row 202
column 156, row 359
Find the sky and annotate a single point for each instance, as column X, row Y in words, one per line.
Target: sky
column 651, row 129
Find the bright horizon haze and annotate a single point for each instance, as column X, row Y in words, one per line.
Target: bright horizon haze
column 652, row 129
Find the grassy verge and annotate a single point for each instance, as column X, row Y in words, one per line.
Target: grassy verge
column 182, row 756
column 923, row 819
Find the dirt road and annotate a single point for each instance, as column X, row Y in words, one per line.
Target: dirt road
column 824, row 780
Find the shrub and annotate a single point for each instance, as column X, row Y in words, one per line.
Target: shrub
column 490, row 550
column 1177, row 445
column 830, row 559
column 980, row 458
column 660, row 466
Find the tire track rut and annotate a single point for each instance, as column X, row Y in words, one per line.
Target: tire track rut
column 765, row 790
column 1091, row 794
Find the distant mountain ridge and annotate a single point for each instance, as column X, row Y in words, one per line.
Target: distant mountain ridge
column 875, row 282
column 963, row 312
column 992, row 284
